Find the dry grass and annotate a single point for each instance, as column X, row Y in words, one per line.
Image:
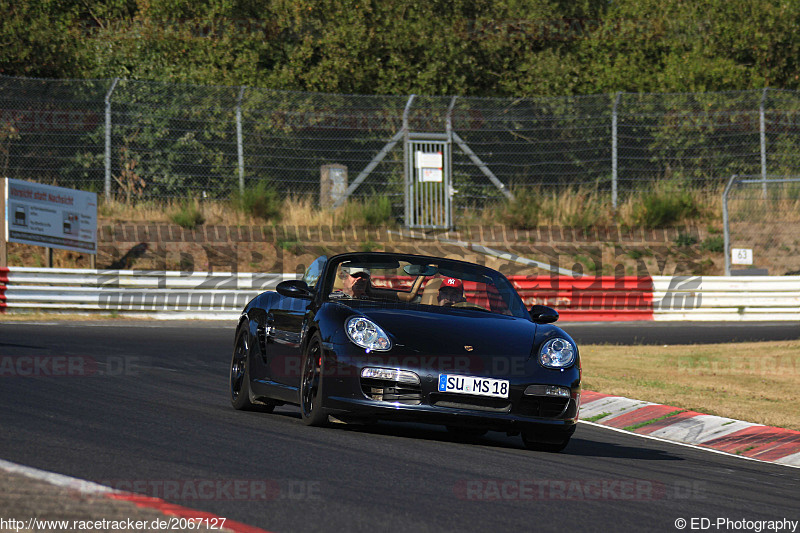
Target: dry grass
column 584, row 207
column 215, row 213
column 755, row 382
column 578, row 207
column 296, row 211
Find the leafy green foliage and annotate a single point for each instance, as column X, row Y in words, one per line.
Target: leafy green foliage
column 439, row 47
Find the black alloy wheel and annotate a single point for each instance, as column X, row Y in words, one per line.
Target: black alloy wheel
column 240, row 377
column 311, row 410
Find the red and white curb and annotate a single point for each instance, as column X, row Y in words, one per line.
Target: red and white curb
column 745, row 439
column 147, row 502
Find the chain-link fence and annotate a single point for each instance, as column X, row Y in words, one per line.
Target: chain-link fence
column 762, row 225
column 134, row 139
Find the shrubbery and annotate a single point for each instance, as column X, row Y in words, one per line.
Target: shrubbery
column 260, row 201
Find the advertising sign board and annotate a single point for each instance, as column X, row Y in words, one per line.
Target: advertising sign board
column 56, row 217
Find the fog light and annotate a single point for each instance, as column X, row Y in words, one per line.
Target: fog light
column 561, row 392
column 390, row 374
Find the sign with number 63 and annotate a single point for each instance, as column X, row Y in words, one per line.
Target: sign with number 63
column 741, row 256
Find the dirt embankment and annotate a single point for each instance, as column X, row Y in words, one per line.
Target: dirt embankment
column 611, row 251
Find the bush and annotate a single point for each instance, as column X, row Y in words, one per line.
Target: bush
column 664, row 207
column 715, row 244
column 188, row 215
column 261, row 201
column 685, row 240
column 373, row 212
column 523, row 211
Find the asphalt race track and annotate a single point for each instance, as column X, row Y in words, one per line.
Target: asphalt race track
column 144, row 404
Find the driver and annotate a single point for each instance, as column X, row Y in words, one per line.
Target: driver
column 355, row 280
column 451, row 292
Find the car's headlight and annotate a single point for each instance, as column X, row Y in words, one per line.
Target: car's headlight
column 557, row 353
column 367, row 334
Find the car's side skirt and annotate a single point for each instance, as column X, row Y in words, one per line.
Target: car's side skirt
column 263, row 388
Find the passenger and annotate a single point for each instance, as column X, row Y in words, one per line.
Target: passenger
column 451, row 292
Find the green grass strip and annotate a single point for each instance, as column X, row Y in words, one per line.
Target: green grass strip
column 634, row 427
column 595, row 418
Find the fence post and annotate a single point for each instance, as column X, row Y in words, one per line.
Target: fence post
column 406, row 169
column 107, row 186
column 239, row 146
column 614, row 165
column 725, row 224
column 763, row 132
column 3, row 246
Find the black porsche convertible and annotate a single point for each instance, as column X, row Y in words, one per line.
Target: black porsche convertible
column 386, row 336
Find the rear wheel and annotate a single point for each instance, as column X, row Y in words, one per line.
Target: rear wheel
column 240, row 377
column 546, row 440
column 311, row 410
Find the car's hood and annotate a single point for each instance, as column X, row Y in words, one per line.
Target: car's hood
column 454, row 331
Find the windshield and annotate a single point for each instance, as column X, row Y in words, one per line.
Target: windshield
column 422, row 281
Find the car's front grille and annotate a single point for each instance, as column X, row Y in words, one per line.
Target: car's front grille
column 478, row 403
column 391, row 391
column 543, row 406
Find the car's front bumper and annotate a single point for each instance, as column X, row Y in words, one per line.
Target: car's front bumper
column 432, row 414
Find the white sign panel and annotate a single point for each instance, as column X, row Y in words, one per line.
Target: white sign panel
column 431, row 174
column 45, row 215
column 741, row 256
column 428, row 159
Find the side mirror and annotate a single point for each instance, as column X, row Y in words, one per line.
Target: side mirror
column 541, row 314
column 295, row 288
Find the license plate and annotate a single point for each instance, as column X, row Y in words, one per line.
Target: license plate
column 477, row 386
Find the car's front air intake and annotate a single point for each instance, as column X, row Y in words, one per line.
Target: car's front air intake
column 391, row 391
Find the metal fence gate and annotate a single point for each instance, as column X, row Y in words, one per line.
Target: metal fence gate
column 428, row 181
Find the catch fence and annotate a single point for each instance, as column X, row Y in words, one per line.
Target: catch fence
column 149, row 140
column 761, row 219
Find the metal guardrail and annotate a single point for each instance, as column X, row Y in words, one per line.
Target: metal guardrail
column 156, row 294
column 742, row 298
column 222, row 295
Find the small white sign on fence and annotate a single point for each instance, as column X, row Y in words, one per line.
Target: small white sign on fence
column 428, row 159
column 741, row 256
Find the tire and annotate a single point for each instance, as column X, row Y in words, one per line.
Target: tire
column 552, row 441
column 240, row 377
column 311, row 411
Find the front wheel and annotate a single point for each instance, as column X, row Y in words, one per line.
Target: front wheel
column 311, row 410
